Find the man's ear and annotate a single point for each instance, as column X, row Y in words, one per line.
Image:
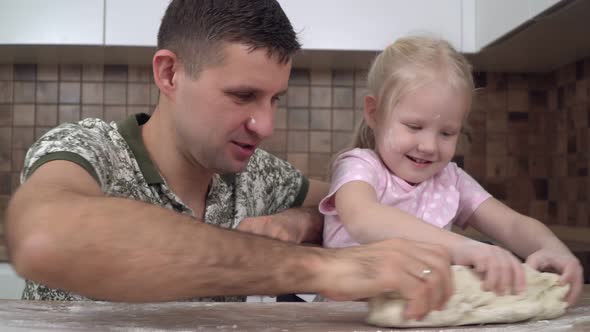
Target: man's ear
column 165, row 66
column 370, row 111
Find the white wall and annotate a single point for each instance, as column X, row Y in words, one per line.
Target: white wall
column 11, row 285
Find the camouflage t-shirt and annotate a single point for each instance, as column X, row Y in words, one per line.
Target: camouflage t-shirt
column 115, row 156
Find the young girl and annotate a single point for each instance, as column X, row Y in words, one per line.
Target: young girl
column 398, row 180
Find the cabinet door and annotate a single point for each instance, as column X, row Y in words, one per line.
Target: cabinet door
column 55, row 22
column 133, row 22
column 371, row 24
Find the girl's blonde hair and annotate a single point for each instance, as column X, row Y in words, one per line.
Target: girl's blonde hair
column 405, row 65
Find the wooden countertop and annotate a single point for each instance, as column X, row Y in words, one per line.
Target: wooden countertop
column 192, row 316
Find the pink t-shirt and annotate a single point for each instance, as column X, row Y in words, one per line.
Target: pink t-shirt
column 451, row 196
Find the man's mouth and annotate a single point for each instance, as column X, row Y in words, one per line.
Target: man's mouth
column 419, row 161
column 245, row 145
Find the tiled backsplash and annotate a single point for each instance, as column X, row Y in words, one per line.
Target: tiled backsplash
column 527, row 141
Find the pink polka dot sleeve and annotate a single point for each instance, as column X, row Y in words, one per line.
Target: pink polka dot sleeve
column 355, row 165
column 472, row 194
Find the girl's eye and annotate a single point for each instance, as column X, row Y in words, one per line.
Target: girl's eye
column 413, row 126
column 448, row 134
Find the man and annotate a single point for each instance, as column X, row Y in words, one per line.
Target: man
column 142, row 210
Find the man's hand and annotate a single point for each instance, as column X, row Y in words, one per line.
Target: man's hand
column 294, row 225
column 419, row 272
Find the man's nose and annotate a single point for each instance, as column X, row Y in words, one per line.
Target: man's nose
column 262, row 122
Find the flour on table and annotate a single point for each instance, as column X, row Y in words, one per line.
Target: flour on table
column 542, row 299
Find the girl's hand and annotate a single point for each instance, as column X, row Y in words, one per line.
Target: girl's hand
column 502, row 272
column 564, row 263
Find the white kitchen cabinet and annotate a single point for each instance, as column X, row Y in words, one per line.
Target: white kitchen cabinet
column 496, row 18
column 133, row 22
column 371, row 24
column 55, row 22
column 11, row 285
column 322, row 25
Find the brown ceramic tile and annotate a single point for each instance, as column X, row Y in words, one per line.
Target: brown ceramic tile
column 92, row 93
column 300, row 161
column 138, row 94
column 517, row 145
column 15, row 181
column 538, row 166
column 280, row 155
column 521, row 190
column 343, row 97
column 47, row 73
column 22, row 137
column 360, row 78
column 518, row 166
column 280, row 120
column 343, row 120
column 320, row 141
column 5, row 115
column 24, row 115
column 341, row 140
column 582, row 215
column 115, row 73
column 552, row 99
column 496, row 167
column 539, row 210
column 68, row 113
column 319, row 164
column 518, row 100
column 321, row 119
column 5, row 183
column 46, row 92
column 115, row 93
column 538, row 100
column 114, row 113
column 6, row 91
column 518, row 81
column 359, row 97
column 321, row 77
column 6, row 72
column 92, row 111
column 558, row 166
column 297, row 141
column 359, row 116
column 298, row 96
column 46, row 116
column 138, row 109
column 321, row 96
column 155, row 94
column 24, row 92
column 497, row 99
column 496, row 121
column 40, row 131
column 298, row 118
column 70, row 73
column 5, row 149
column 18, row 159
column 475, row 166
column 69, row 92
column 140, row 74
column 343, row 77
column 581, row 92
column 580, row 116
column 93, row 73
column 299, row 77
column 277, row 142
column 25, row 72
column 497, row 145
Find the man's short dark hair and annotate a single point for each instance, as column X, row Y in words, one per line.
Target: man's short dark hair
column 195, row 30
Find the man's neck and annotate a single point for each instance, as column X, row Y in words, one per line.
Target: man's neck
column 187, row 179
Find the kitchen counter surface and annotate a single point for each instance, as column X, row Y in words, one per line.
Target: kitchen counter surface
column 16, row 315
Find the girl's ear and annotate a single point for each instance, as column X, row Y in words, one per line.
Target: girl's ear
column 370, row 111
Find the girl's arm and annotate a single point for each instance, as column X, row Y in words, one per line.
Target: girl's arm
column 530, row 239
column 521, row 234
column 367, row 220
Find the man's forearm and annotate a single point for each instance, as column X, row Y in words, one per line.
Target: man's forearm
column 124, row 250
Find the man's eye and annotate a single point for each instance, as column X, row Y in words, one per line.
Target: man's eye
column 244, row 97
column 276, row 99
